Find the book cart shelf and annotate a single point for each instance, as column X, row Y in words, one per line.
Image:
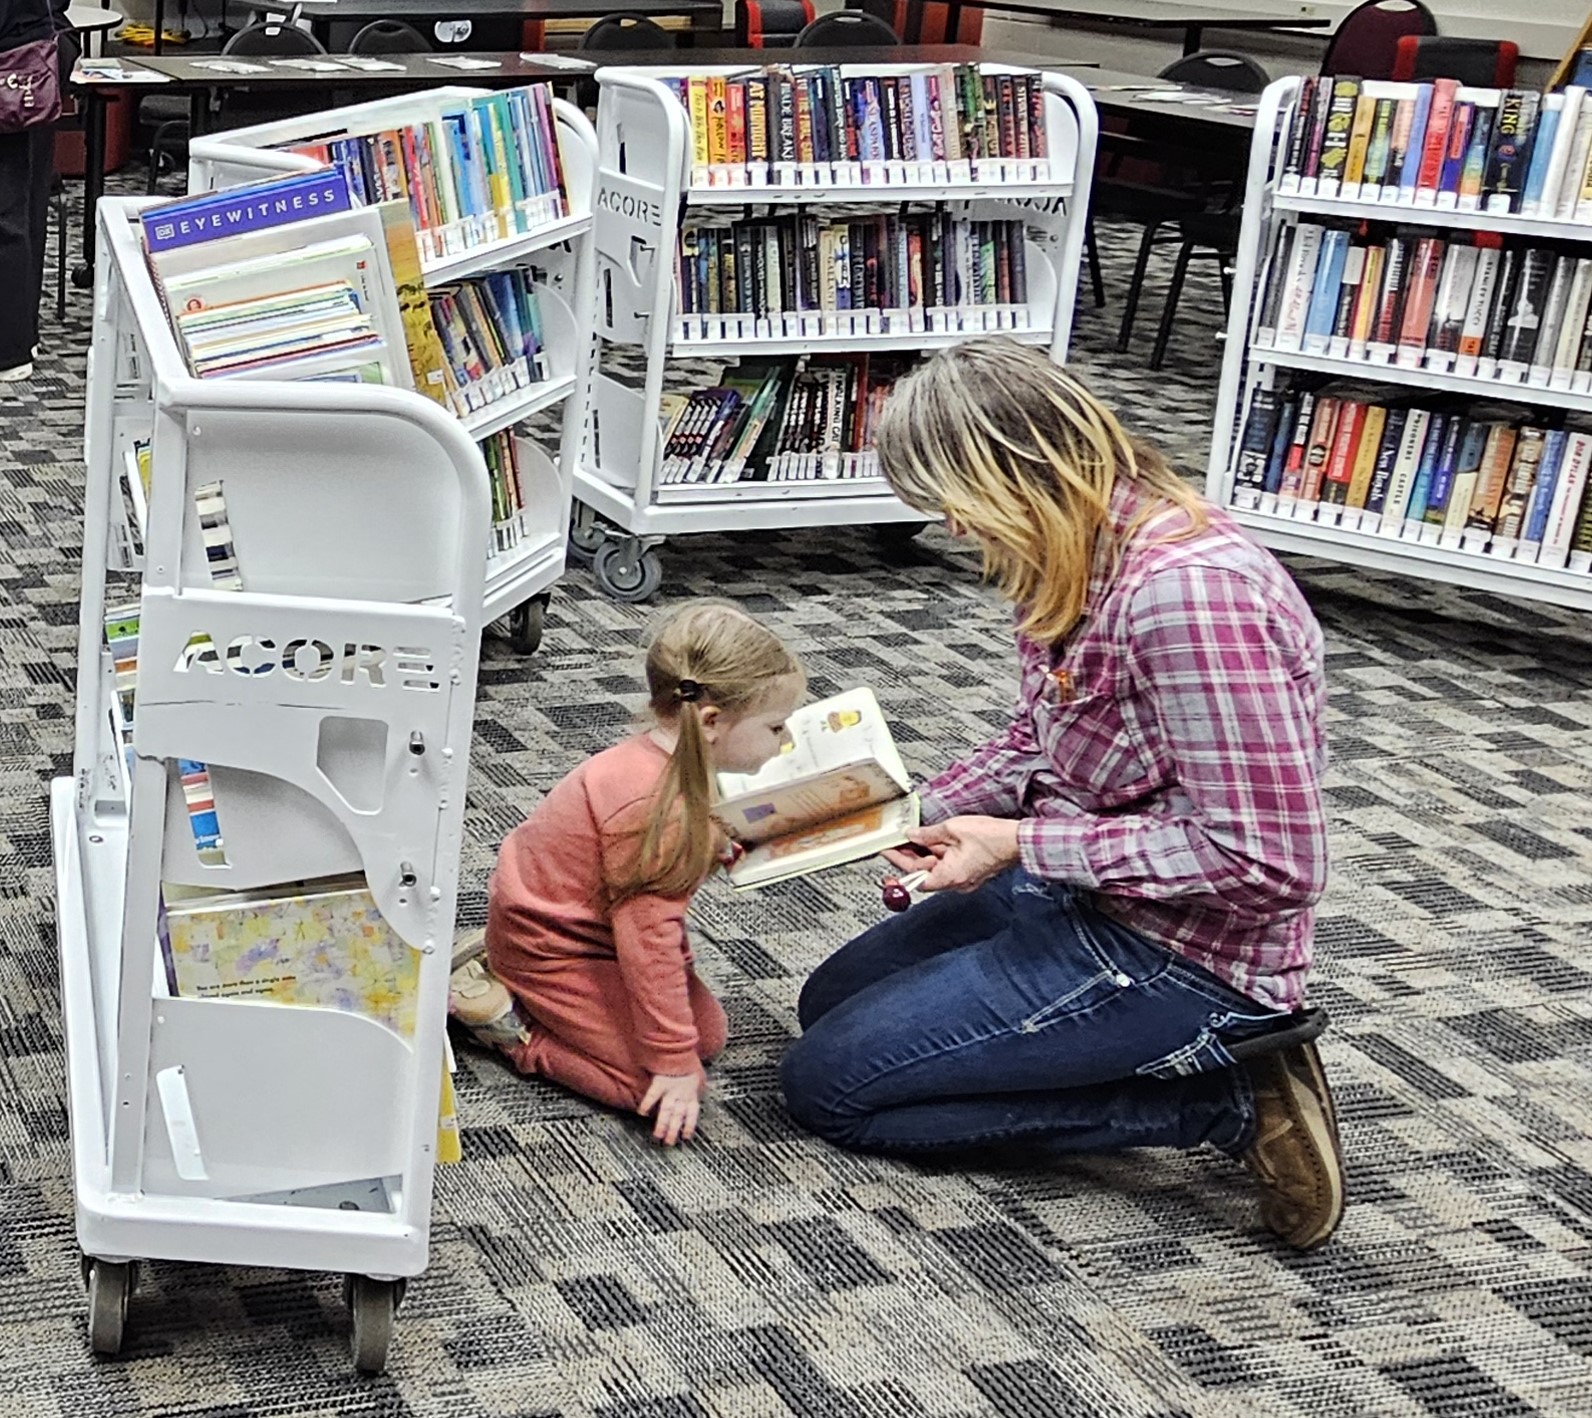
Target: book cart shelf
column 648, row 188
column 330, row 700
column 1251, row 365
column 557, row 254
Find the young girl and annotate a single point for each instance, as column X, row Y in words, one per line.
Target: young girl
column 587, row 978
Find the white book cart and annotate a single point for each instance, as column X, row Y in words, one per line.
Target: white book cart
column 559, row 255
column 644, row 192
column 331, row 699
column 1248, row 365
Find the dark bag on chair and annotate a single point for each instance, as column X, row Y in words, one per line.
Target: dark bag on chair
column 30, row 85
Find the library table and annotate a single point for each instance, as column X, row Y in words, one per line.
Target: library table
column 1193, row 20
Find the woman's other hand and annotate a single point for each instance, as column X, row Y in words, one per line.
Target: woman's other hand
column 965, row 852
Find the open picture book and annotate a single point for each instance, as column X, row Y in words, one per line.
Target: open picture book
column 838, row 794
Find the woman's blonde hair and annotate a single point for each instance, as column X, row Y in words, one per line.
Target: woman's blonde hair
column 1015, row 450
column 705, row 652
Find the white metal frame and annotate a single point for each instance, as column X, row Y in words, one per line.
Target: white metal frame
column 560, row 251
column 643, row 189
column 1246, row 366
column 360, row 513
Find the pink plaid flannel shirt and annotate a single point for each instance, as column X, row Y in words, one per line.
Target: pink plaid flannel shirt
column 1166, row 756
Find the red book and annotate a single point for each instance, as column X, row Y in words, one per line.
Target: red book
column 1434, row 148
column 1420, row 294
column 1319, row 450
column 1345, row 447
column 735, row 96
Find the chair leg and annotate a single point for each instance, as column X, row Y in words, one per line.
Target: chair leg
column 1173, row 291
column 60, row 256
column 1092, row 250
column 1224, row 267
column 1136, row 286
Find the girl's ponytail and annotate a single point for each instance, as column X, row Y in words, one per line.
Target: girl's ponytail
column 707, row 652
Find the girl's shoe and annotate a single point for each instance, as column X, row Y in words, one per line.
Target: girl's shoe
column 482, row 1003
column 16, row 374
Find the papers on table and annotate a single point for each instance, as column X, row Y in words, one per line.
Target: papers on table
column 114, row 71
column 230, row 66
column 464, row 61
column 560, row 61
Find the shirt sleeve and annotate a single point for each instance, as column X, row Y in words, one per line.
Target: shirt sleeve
column 1237, row 706
column 993, row 779
column 650, row 945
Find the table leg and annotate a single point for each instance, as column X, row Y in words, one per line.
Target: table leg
column 160, row 26
column 914, row 34
column 1191, row 38
column 953, row 23
column 93, row 181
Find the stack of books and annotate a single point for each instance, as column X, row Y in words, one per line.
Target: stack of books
column 806, row 274
column 1420, row 472
column 501, row 452
column 791, row 421
column 1476, row 305
column 255, row 336
column 824, row 126
column 486, row 171
column 491, row 334
column 1442, row 145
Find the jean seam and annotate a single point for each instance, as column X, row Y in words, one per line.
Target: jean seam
column 884, row 1073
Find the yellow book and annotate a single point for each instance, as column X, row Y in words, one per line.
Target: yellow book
column 1365, row 455
column 1359, row 141
column 448, row 1146
column 427, row 363
column 502, row 182
column 697, row 90
column 718, row 120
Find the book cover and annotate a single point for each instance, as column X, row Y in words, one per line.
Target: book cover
column 1435, row 144
column 1577, row 306
column 1524, row 320
column 1254, row 446
column 1348, row 299
column 1402, row 130
column 1415, row 146
column 1454, row 150
column 1387, row 456
column 1498, row 317
column 1412, row 446
column 1323, row 434
column 1564, row 138
column 1390, row 299
column 1543, row 143
column 1359, row 145
column 1379, row 147
column 1522, row 478
column 257, row 206
column 1473, row 171
column 1281, row 442
column 1536, row 519
column 1347, row 436
column 1555, row 307
column 1559, row 529
column 1579, row 159
column 1449, row 307
column 1293, row 469
column 1323, row 307
column 321, row 944
column 1365, row 302
column 1440, row 482
column 1272, row 285
column 1467, row 474
column 1511, row 150
column 1431, row 452
column 1478, row 307
column 1298, row 285
column 1367, row 454
column 1299, row 126
column 1419, row 298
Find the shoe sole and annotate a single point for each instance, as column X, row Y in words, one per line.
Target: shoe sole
column 1310, row 1102
column 468, row 946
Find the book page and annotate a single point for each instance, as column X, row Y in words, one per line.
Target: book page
column 837, row 745
column 833, row 843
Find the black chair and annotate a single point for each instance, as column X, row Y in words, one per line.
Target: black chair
column 626, row 31
column 851, row 28
column 1365, row 42
column 771, row 24
column 267, row 38
column 388, row 37
column 1190, row 182
column 1481, row 63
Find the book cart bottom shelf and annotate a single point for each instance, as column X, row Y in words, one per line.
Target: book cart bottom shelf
column 1479, row 571
column 245, row 1086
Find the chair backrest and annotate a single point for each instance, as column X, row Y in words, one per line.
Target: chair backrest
column 1365, row 42
column 626, row 31
column 1484, row 63
column 273, row 38
column 847, row 27
column 771, row 24
column 388, row 37
column 1218, row 69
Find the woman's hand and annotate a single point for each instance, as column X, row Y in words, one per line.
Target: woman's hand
column 964, row 852
column 677, row 1098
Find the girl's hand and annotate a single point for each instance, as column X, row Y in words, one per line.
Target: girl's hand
column 676, row 1096
column 967, row 851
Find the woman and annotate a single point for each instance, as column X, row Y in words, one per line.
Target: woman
column 1123, row 881
column 27, row 162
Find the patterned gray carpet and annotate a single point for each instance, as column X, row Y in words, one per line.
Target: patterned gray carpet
column 579, row 1271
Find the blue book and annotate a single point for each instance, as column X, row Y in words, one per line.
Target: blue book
column 1324, row 294
column 1430, row 452
column 1459, row 131
column 1410, row 169
column 1541, row 156
column 256, row 207
column 1281, row 441
column 1536, row 523
column 1441, row 486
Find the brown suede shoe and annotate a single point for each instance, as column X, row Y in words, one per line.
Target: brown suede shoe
column 1295, row 1156
column 482, row 1003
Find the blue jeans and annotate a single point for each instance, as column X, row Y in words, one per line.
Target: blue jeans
column 1018, row 1012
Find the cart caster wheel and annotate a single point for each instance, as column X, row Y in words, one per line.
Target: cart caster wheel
column 373, row 1304
column 585, row 542
column 626, row 573
column 526, row 623
column 110, row 1283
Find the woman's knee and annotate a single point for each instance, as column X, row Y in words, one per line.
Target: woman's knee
column 807, row 1079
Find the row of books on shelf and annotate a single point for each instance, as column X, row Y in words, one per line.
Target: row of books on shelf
column 930, row 271
column 503, row 457
column 1442, row 145
column 484, row 171
column 1449, row 477
column 803, row 420
column 490, row 329
column 825, row 126
column 1474, row 306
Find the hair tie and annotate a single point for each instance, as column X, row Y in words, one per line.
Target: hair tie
column 689, row 691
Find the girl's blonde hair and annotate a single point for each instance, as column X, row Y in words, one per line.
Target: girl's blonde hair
column 704, row 652
column 1015, row 450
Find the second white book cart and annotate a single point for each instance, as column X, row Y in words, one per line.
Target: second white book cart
column 557, row 253
column 651, row 188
